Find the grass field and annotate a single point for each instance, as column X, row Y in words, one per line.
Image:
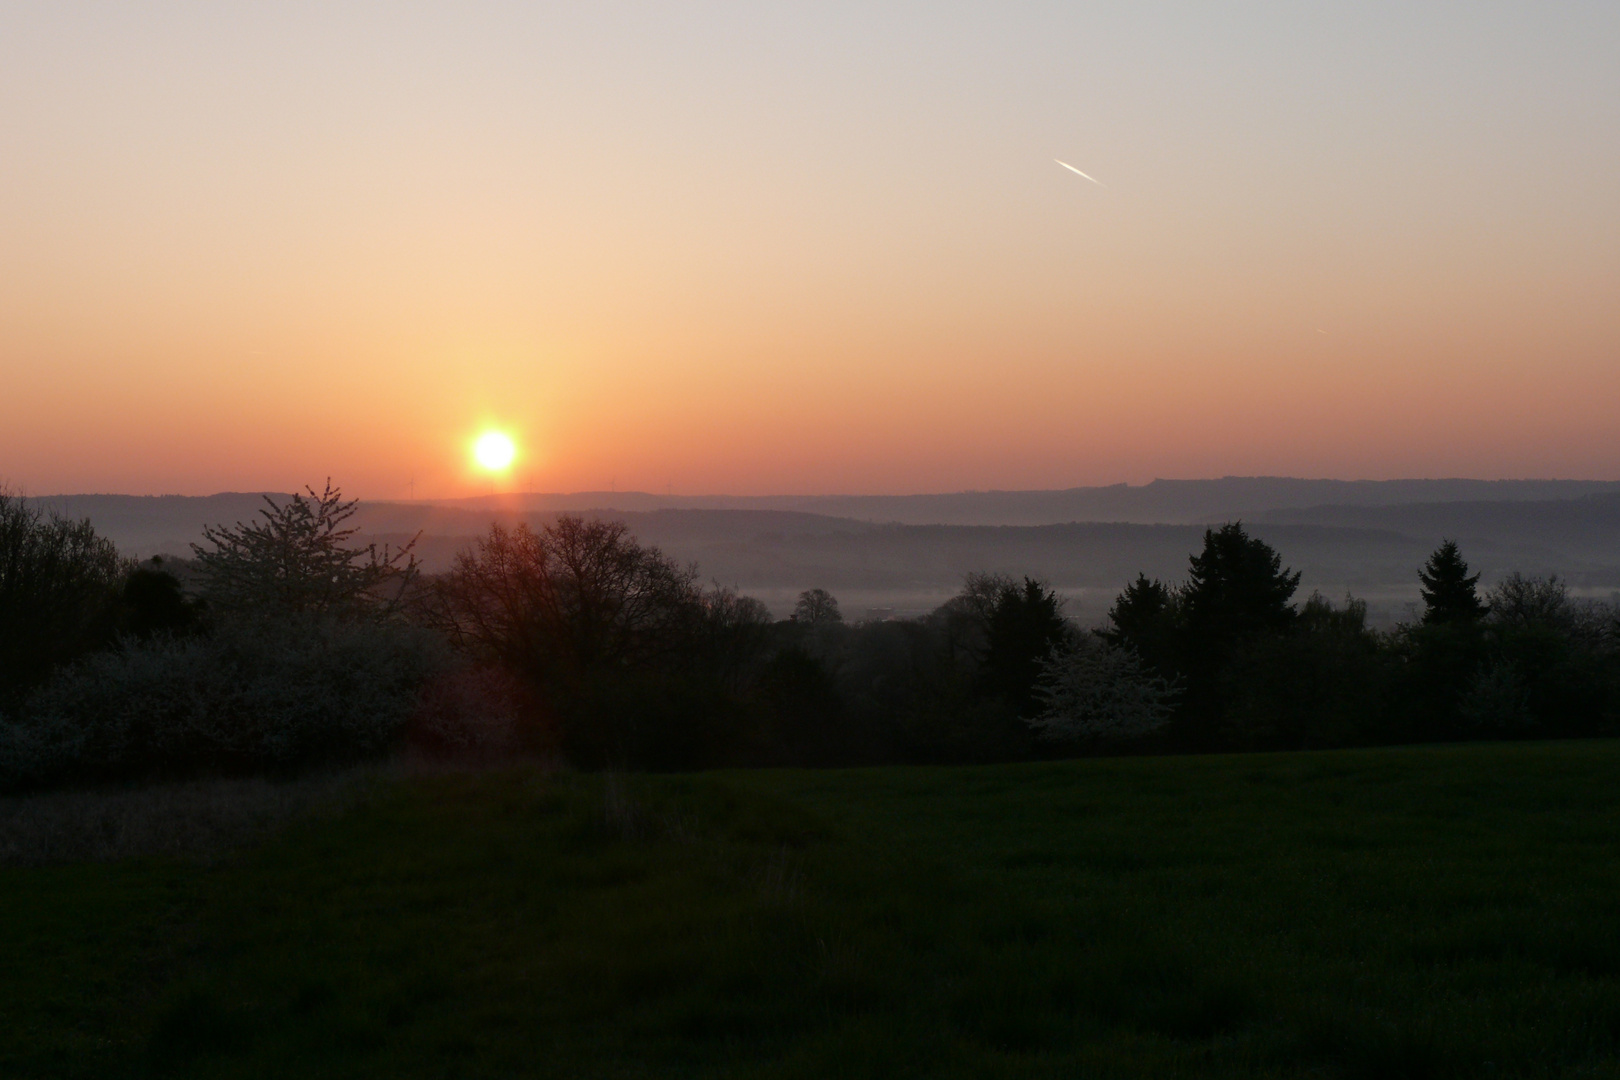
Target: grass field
column 1420, row 912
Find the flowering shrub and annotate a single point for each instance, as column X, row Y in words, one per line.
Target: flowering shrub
column 1093, row 691
column 272, row 695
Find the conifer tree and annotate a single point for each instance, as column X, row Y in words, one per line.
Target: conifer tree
column 1025, row 625
column 1145, row 619
column 1449, row 593
column 1237, row 586
column 298, row 561
column 1143, row 603
column 1236, row 597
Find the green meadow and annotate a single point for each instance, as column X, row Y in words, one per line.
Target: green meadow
column 1449, row 911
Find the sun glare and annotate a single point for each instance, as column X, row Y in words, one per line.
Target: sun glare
column 494, row 451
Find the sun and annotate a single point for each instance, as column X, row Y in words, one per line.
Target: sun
column 494, row 451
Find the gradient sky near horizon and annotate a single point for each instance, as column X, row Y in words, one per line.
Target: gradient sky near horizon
column 797, row 248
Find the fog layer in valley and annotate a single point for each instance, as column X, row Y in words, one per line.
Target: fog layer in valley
column 903, row 555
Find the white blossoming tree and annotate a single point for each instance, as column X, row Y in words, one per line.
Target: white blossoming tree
column 1094, row 692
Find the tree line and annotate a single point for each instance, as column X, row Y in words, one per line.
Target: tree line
column 284, row 643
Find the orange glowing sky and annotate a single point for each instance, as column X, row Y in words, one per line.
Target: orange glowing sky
column 805, row 248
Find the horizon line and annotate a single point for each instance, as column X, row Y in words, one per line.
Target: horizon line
column 617, row 493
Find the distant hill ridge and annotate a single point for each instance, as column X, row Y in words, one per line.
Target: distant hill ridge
column 778, row 545
column 1159, row 502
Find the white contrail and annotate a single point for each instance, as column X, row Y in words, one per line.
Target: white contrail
column 1076, row 171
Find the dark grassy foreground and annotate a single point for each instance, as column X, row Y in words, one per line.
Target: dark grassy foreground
column 1430, row 912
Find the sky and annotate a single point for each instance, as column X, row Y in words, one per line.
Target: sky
column 804, row 247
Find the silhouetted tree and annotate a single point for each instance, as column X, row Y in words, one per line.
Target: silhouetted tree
column 964, row 619
column 298, row 561
column 616, row 639
column 1025, row 625
column 804, row 724
column 1449, row 593
column 909, row 699
column 1450, row 684
column 153, row 602
column 1236, row 594
column 574, row 596
column 1237, row 587
column 1549, row 666
column 1322, row 683
column 1519, row 602
column 734, row 632
column 981, row 593
column 58, row 579
column 817, row 607
column 1146, row 619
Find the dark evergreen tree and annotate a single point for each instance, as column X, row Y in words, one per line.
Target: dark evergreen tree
column 1144, row 620
column 298, row 561
column 1235, row 601
column 1446, row 654
column 1449, row 593
column 1025, row 625
column 1237, row 587
column 1142, row 606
